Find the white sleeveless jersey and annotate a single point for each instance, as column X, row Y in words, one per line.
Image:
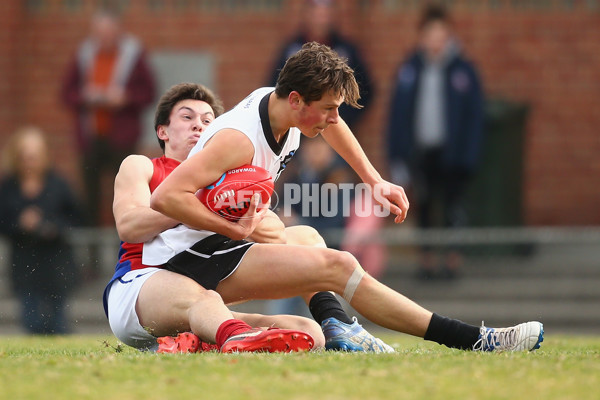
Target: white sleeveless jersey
column 251, row 117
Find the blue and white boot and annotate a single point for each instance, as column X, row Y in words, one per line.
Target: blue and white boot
column 344, row 337
column 523, row 337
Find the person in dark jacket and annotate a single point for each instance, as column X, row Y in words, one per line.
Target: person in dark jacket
column 37, row 209
column 436, row 130
column 108, row 85
column 318, row 26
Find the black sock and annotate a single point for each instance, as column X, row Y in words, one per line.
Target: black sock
column 452, row 333
column 325, row 305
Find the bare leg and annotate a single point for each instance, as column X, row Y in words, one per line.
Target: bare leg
column 285, row 322
column 169, row 303
column 278, row 271
column 304, row 235
column 389, row 308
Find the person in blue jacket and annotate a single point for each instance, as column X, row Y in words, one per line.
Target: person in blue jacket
column 436, row 130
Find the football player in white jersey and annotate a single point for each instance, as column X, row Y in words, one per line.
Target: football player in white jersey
column 311, row 86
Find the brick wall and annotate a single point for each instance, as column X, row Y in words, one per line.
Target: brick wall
column 545, row 53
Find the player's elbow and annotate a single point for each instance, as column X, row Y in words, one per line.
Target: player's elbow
column 128, row 236
column 129, row 232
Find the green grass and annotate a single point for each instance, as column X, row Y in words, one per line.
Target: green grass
column 89, row 367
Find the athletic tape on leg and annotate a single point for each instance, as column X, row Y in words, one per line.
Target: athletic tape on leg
column 352, row 283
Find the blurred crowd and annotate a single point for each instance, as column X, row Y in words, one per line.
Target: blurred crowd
column 433, row 141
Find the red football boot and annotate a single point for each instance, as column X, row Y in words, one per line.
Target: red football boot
column 272, row 340
column 185, row 342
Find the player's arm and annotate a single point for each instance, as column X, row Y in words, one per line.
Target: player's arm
column 270, row 230
column 176, row 198
column 136, row 221
column 342, row 140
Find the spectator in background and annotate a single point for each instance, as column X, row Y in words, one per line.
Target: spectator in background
column 318, row 26
column 37, row 208
column 108, row 84
column 436, row 130
column 325, row 166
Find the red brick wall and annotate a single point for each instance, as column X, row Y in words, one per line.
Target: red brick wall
column 545, row 53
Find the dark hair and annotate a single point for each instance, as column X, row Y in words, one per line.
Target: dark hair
column 433, row 13
column 177, row 93
column 316, row 70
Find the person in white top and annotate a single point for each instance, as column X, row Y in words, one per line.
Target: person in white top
column 311, row 86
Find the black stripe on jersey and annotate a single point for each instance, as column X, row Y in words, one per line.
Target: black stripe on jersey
column 210, row 260
column 263, row 112
column 215, row 244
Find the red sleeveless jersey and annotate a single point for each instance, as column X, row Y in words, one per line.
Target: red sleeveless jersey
column 130, row 254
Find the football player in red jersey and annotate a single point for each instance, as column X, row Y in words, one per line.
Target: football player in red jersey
column 145, row 303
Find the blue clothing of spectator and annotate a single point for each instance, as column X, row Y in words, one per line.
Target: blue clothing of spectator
column 462, row 102
column 435, row 132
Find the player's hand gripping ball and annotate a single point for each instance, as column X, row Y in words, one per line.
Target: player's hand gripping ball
column 230, row 195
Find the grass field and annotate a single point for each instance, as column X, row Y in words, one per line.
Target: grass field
column 92, row 367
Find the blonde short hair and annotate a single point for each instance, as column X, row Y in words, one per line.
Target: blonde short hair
column 11, row 152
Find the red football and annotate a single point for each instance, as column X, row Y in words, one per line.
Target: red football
column 230, row 195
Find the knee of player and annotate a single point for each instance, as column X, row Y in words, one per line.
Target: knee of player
column 204, row 296
column 340, row 263
column 213, row 295
column 348, row 261
column 310, row 237
column 314, row 238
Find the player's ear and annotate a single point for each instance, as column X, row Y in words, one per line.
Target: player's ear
column 161, row 132
column 295, row 100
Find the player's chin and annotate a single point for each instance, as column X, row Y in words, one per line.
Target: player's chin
column 314, row 132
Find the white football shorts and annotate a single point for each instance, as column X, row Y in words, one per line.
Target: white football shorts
column 122, row 317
